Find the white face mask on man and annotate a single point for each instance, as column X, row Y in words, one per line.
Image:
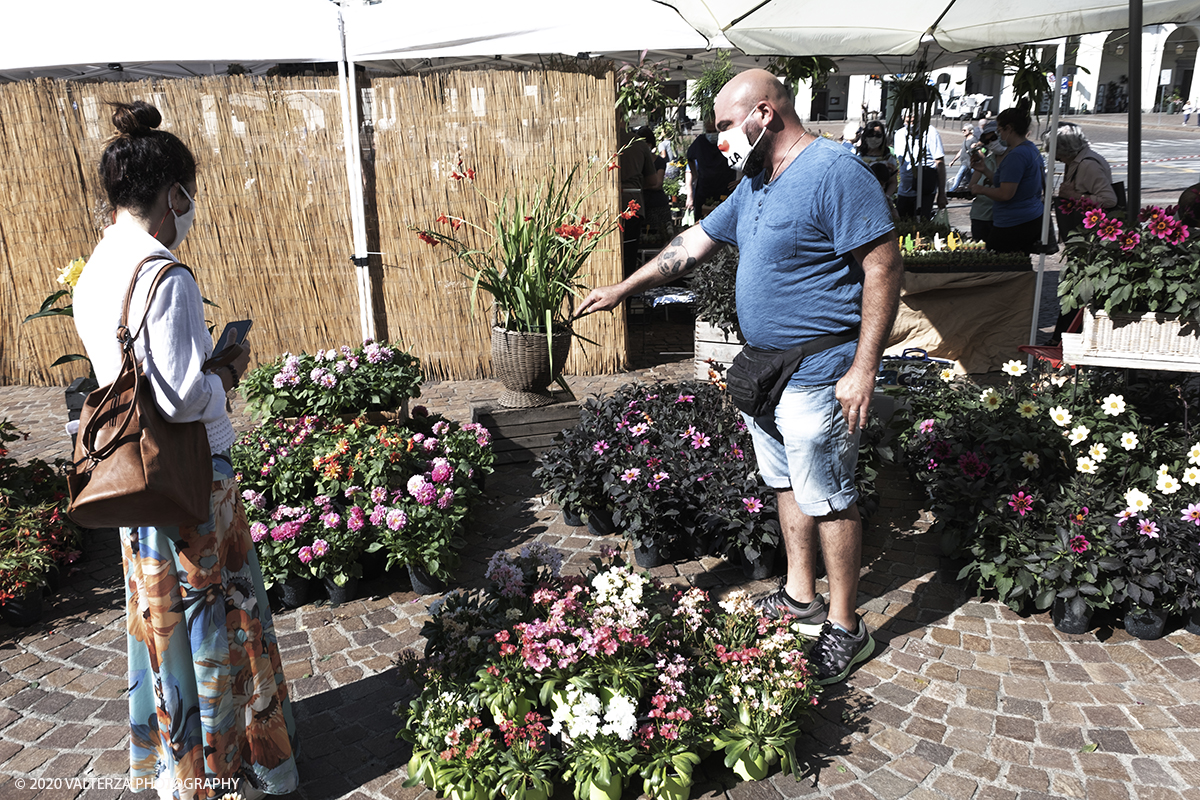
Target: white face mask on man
column 735, row 144
column 183, row 222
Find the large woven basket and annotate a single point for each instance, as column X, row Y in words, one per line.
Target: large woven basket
column 1149, row 341
column 522, row 363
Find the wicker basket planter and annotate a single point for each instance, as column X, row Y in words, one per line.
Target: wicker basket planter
column 1146, row 341
column 522, row 363
column 714, row 344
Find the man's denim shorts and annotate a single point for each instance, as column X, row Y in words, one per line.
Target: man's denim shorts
column 805, row 445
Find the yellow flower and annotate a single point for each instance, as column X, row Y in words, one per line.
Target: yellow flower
column 990, row 400
column 1027, row 409
column 69, row 275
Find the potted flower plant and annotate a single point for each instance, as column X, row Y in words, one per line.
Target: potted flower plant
column 373, row 378
column 1137, row 287
column 529, row 257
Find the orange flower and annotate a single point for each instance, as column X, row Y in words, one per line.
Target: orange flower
column 427, row 238
column 631, row 210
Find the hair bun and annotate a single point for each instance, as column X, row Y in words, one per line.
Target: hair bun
column 135, row 119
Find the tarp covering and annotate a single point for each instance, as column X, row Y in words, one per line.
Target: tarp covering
column 889, row 27
column 41, row 34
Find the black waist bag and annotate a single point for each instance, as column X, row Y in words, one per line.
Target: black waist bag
column 756, row 379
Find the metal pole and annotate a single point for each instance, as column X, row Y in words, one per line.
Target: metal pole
column 358, row 221
column 1047, row 200
column 1134, row 172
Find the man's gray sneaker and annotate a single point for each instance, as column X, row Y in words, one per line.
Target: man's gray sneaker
column 836, row 652
column 809, row 616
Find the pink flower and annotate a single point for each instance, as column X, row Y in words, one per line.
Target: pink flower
column 1110, row 231
column 1021, row 503
column 686, row 398
column 379, row 495
column 1190, row 514
column 305, row 555
column 630, row 475
column 1130, row 240
column 927, row 426
column 752, row 504
column 1148, row 529
column 600, row 447
column 356, row 519
column 700, row 440
column 660, row 476
column 1093, row 218
column 396, row 519
column 1123, row 516
column 258, row 531
column 427, row 495
column 331, row 519
column 319, row 547
column 442, row 471
column 1079, row 544
column 446, row 499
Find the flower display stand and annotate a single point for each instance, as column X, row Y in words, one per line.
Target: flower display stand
column 1146, row 341
column 714, row 344
column 520, row 435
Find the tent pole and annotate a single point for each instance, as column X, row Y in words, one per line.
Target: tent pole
column 1047, row 199
column 358, row 223
column 1134, row 171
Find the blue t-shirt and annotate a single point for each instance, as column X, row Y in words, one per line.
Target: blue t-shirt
column 796, row 279
column 1023, row 166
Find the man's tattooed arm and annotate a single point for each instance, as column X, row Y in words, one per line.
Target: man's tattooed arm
column 674, row 260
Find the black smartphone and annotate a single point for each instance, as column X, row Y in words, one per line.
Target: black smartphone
column 234, row 333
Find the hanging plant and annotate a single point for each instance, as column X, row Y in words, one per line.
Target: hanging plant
column 640, row 87
column 714, row 77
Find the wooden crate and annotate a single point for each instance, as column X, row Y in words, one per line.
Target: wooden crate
column 520, row 435
column 1146, row 341
column 713, row 343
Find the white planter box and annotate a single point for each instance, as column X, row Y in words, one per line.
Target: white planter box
column 1147, row 341
column 713, row 343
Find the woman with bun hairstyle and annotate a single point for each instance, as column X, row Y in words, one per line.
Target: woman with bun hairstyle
column 1016, row 185
column 208, row 704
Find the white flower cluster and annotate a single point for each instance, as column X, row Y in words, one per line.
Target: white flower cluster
column 618, row 595
column 739, row 604
column 580, row 714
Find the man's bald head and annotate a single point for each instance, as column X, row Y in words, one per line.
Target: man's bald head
column 748, row 89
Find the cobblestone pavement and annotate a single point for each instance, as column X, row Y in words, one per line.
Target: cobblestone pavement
column 964, row 699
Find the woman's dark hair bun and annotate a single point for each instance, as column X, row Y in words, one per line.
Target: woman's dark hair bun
column 135, row 119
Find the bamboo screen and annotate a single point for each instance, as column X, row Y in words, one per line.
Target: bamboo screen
column 271, row 239
column 515, row 129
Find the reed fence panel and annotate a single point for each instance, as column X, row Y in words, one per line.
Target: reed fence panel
column 515, row 129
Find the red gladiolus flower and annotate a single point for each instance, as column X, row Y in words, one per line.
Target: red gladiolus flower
column 1093, row 218
column 427, row 238
column 631, row 210
column 569, row 231
column 470, row 174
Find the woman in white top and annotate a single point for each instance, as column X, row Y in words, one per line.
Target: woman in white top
column 208, row 704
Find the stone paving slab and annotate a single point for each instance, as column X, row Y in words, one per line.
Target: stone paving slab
column 964, row 698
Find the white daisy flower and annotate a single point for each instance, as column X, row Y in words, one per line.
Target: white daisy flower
column 1194, row 454
column 1061, row 416
column 1163, row 469
column 1079, row 434
column 1085, row 465
column 1137, row 501
column 1058, row 380
column 1099, row 452
column 1167, row 484
column 1113, row 405
column 1027, row 409
column 1030, row 460
column 947, row 375
column 1014, row 368
column 1129, row 440
column 1191, row 476
column 990, row 399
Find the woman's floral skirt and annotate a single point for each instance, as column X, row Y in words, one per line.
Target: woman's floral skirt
column 208, row 704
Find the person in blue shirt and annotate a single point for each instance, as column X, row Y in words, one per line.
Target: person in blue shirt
column 1016, row 186
column 818, row 257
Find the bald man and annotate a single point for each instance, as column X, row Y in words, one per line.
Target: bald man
column 818, row 262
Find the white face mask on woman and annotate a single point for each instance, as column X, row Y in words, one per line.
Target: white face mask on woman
column 183, row 222
column 998, row 147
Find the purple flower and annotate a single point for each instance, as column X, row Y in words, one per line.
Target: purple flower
column 446, row 498
column 378, row 513
column 685, row 398
column 427, row 495
column 254, row 498
column 441, row 427
column 341, row 367
column 328, row 380
column 377, row 353
column 1079, row 544
column 316, row 375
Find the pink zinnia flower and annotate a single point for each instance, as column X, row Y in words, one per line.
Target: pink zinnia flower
column 1190, row 514
column 1093, row 218
column 1021, row 503
column 331, row 519
column 752, row 504
column 1148, row 529
column 356, row 519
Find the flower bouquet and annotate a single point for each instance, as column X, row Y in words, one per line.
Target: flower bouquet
column 374, row 377
column 596, row 679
